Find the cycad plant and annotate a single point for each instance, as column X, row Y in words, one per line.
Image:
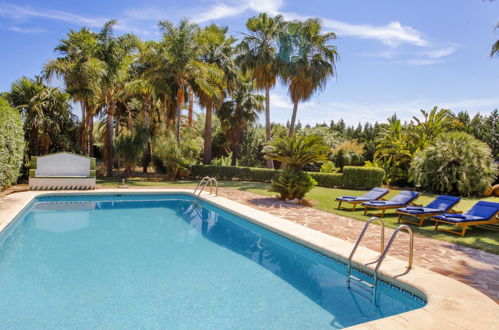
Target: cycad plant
column 295, row 152
column 455, row 163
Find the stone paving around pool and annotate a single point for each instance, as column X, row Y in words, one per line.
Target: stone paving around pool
column 476, row 268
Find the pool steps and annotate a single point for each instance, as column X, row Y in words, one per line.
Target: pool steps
column 372, row 287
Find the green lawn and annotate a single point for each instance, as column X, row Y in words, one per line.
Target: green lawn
column 486, row 238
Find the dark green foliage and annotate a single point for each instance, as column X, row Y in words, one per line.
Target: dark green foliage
column 11, row 144
column 353, row 177
column 455, row 163
column 174, row 158
column 251, row 146
column 234, row 173
column 357, row 177
column 297, row 151
column 328, row 180
column 129, row 147
column 292, row 183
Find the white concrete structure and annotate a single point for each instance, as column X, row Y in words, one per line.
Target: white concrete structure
column 62, row 171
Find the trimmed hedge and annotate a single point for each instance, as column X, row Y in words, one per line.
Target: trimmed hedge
column 234, row 173
column 358, row 177
column 353, row 177
column 11, row 144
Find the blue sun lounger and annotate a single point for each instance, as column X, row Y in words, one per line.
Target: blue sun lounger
column 371, row 195
column 438, row 206
column 403, row 199
column 481, row 213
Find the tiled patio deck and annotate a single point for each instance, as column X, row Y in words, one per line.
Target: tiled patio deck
column 476, row 268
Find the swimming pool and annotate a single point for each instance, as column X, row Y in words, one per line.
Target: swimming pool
column 162, row 261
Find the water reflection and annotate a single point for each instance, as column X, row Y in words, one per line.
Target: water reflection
column 320, row 279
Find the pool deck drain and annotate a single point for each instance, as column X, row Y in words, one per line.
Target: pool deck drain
column 450, row 304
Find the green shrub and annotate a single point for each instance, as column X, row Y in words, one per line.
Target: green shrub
column 328, row 167
column 11, row 144
column 174, row 158
column 292, row 183
column 129, row 147
column 454, row 163
column 353, row 177
column 328, row 180
column 222, row 160
column 234, row 173
column 357, row 177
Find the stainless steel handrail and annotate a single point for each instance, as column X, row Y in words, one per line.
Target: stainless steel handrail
column 383, row 255
column 382, row 245
column 204, row 182
column 200, row 183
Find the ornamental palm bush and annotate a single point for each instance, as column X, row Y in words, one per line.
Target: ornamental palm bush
column 292, row 184
column 295, row 152
column 129, row 147
column 174, row 158
column 455, row 163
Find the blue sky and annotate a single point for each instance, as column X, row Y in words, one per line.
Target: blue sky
column 395, row 56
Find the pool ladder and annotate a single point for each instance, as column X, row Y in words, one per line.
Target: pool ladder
column 373, row 287
column 203, row 183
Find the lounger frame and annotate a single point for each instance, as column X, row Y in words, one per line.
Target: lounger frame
column 355, row 203
column 422, row 216
column 384, row 208
column 465, row 224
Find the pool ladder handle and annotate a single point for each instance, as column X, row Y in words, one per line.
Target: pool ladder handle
column 384, row 250
column 204, row 182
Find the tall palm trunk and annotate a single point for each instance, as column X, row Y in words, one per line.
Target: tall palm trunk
column 180, row 100
column 146, row 159
column 83, row 131
column 269, row 162
column 293, row 119
column 191, row 107
column 34, row 141
column 90, row 120
column 109, row 137
column 207, row 135
column 235, row 152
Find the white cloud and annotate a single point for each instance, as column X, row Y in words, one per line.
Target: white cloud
column 26, row 30
column 424, row 61
column 392, row 34
column 220, row 10
column 16, row 12
column 265, row 6
column 440, row 52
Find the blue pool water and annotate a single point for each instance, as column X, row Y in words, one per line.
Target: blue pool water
column 161, row 261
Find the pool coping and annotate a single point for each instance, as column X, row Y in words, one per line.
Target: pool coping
column 450, row 303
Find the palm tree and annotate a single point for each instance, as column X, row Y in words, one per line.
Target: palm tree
column 308, row 61
column 495, row 46
column 238, row 112
column 45, row 111
column 259, row 55
column 82, row 73
column 394, row 151
column 434, row 123
column 117, row 54
column 217, row 50
column 297, row 151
